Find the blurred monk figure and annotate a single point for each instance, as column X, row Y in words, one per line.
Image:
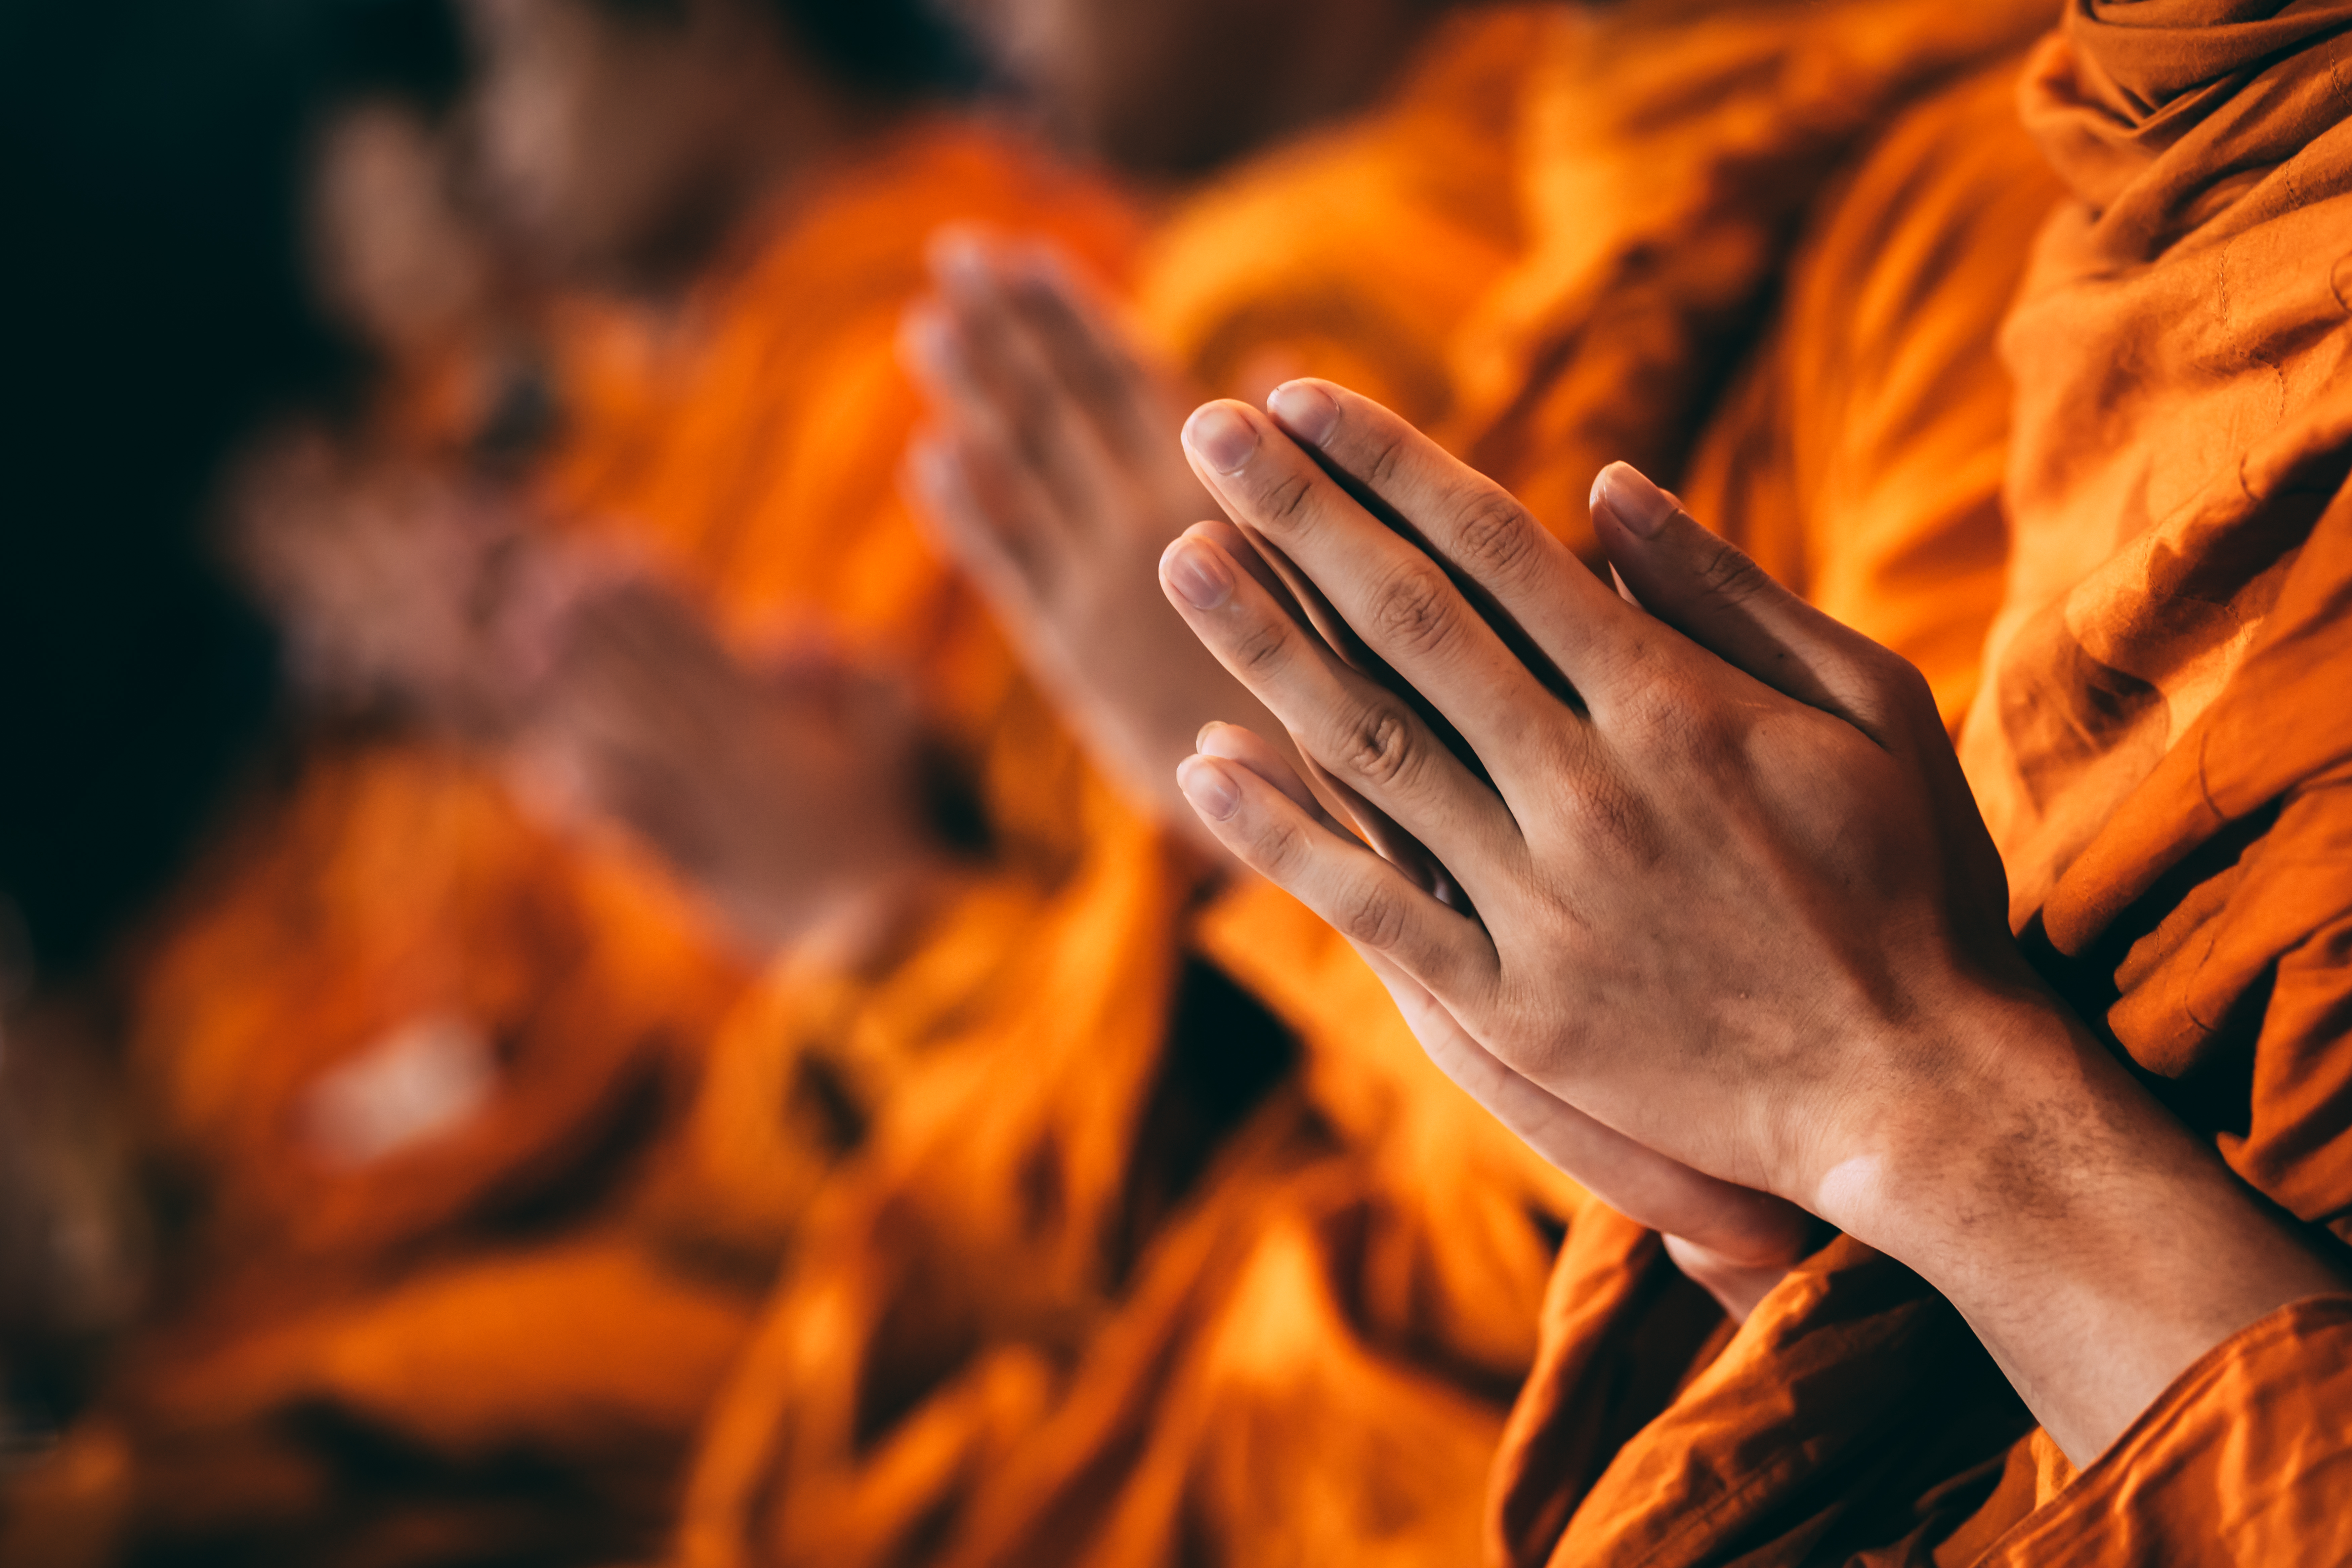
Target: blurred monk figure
column 1304, row 1366
column 426, row 1045
column 2053, row 1029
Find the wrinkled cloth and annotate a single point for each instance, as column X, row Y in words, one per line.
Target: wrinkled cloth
column 1304, row 1364
column 1673, row 151
column 1858, row 456
column 2159, row 743
column 1173, row 1205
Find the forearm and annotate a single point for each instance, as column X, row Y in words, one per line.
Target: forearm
column 2097, row 1248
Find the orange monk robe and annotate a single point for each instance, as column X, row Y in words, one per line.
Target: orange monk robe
column 751, row 445
column 1032, row 1328
column 754, row 458
column 1858, row 457
column 1305, row 1365
column 1356, row 252
column 2161, row 745
column 1674, row 151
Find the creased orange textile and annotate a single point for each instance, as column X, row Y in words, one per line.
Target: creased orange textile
column 1122, row 1293
column 401, row 909
column 1859, row 456
column 1356, row 252
column 1672, row 150
column 397, row 917
column 1070, row 1307
column 2161, row 745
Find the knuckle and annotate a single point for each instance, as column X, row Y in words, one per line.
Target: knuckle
column 1729, row 577
column 1371, row 913
column 1286, row 501
column 1384, row 456
column 1494, row 536
column 1377, row 746
column 1262, row 649
column 1411, row 610
column 1280, row 848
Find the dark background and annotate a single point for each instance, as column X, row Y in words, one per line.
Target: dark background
column 150, row 151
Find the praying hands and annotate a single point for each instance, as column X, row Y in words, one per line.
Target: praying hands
column 1048, row 473
column 1712, row 917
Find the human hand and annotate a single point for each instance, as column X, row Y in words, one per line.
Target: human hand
column 1727, row 891
column 1734, row 1241
column 1051, row 474
column 795, row 799
column 1700, row 898
column 390, row 583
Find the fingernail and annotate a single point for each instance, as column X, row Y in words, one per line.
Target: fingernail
column 1306, row 410
column 1223, row 438
column 1193, row 570
column 1640, row 505
column 1204, row 783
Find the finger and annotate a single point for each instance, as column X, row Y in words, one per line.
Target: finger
column 1244, row 553
column 1324, row 797
column 1079, row 333
column 1361, row 895
column 1240, row 745
column 1394, row 597
column 1544, row 601
column 1702, row 585
column 982, row 530
column 1360, row 733
column 1007, row 385
column 1645, row 1186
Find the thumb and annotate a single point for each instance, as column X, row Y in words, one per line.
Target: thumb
column 1701, row 585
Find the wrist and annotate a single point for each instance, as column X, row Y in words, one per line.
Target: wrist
column 2096, row 1246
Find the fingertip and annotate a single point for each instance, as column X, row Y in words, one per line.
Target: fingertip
column 1628, row 496
column 1229, row 743
column 930, row 464
column 959, row 252
column 1209, row 788
column 1196, row 571
column 1307, row 409
column 1222, row 434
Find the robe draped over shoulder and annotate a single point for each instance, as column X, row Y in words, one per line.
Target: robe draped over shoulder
column 2159, row 743
column 1672, row 152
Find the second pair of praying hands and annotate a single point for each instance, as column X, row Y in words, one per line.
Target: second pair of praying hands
column 1685, row 883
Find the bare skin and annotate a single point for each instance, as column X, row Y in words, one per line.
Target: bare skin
column 629, row 151
column 1161, row 87
column 791, row 797
column 394, row 584
column 1048, row 474
column 621, row 146
column 1733, row 901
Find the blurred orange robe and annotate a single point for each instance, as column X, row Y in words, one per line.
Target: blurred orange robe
column 2160, row 745
column 1305, row 1363
column 518, row 1261
column 1139, row 1282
